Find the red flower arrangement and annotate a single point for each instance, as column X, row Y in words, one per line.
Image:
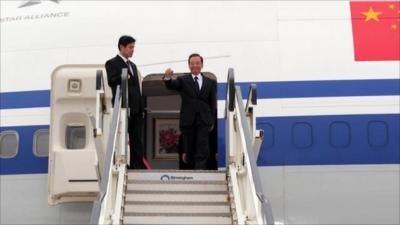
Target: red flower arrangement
column 169, row 138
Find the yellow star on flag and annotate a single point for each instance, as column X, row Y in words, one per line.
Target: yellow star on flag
column 371, row 15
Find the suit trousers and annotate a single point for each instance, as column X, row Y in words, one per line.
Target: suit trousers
column 135, row 129
column 196, row 144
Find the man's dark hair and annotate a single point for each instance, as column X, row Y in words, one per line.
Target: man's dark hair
column 125, row 40
column 195, row 55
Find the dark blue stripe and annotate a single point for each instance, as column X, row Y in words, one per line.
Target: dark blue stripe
column 330, row 140
column 24, row 99
column 326, row 88
column 325, row 140
column 297, row 140
column 278, row 89
column 25, row 162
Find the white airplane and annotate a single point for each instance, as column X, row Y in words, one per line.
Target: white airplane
column 331, row 151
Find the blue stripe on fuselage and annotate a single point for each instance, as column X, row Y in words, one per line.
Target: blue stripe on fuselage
column 276, row 89
column 325, row 140
column 25, row 162
column 320, row 88
column 294, row 140
column 25, row 99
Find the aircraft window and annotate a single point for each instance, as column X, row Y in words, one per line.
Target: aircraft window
column 8, row 144
column 339, row 134
column 377, row 133
column 302, row 135
column 269, row 134
column 75, row 136
column 41, row 143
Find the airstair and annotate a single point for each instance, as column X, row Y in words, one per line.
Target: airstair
column 232, row 195
column 177, row 197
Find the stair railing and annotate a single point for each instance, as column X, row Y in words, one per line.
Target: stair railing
column 242, row 144
column 107, row 207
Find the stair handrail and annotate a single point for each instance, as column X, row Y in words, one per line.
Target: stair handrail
column 229, row 107
column 101, row 109
column 106, row 208
column 242, row 141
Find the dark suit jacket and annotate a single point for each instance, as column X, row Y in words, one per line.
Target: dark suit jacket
column 114, row 68
column 204, row 103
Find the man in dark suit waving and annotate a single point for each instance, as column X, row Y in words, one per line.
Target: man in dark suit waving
column 114, row 66
column 198, row 111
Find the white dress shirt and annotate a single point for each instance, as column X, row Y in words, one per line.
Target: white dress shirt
column 126, row 62
column 199, row 80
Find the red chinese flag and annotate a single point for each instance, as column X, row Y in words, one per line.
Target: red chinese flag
column 376, row 30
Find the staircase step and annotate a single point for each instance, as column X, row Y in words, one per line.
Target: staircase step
column 169, row 220
column 176, row 197
column 176, row 187
column 223, row 171
column 179, row 214
column 175, row 208
column 168, row 197
column 177, row 175
column 172, row 192
column 199, row 182
column 180, row 203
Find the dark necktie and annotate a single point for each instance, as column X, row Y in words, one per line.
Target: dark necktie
column 196, row 84
column 129, row 67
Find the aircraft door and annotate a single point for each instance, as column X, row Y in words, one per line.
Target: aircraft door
column 162, row 133
column 73, row 164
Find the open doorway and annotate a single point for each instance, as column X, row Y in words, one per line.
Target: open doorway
column 162, row 133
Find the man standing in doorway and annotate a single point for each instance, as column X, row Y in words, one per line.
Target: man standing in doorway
column 114, row 66
column 198, row 111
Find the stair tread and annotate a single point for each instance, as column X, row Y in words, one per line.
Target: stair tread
column 172, row 192
column 178, row 197
column 175, row 171
column 134, row 181
column 164, row 208
column 176, row 203
column 182, row 175
column 167, row 220
column 176, row 187
column 178, row 214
